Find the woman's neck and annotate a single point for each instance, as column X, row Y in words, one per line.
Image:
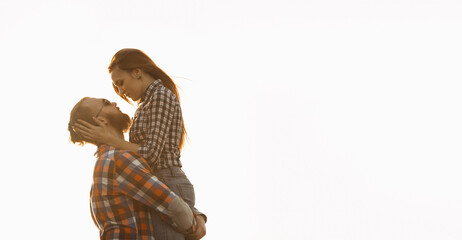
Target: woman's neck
column 147, row 80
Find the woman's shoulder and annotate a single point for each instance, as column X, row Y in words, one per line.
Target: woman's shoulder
column 162, row 92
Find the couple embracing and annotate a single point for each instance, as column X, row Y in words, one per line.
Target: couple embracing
column 139, row 190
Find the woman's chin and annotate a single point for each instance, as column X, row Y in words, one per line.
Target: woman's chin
column 134, row 99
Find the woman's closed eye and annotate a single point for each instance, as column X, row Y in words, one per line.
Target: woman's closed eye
column 119, row 83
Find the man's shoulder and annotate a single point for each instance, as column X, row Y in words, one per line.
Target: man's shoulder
column 128, row 156
column 130, row 160
column 111, row 153
column 119, row 156
column 125, row 154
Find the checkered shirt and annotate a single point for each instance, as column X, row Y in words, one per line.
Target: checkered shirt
column 157, row 127
column 122, row 193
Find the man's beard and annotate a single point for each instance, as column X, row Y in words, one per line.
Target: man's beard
column 120, row 121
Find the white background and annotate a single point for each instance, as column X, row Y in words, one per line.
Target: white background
column 307, row 119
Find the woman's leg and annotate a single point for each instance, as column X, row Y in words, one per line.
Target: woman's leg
column 177, row 181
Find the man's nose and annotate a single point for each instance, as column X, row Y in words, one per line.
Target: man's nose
column 114, row 104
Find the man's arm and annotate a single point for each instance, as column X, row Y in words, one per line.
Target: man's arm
column 135, row 179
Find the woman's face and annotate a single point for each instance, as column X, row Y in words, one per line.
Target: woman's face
column 128, row 83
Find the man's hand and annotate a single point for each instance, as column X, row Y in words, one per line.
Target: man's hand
column 200, row 231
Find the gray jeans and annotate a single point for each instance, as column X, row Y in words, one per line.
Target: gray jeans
column 176, row 180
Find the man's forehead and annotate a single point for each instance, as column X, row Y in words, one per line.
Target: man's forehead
column 91, row 102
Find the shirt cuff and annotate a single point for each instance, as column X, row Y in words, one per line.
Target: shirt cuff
column 193, row 227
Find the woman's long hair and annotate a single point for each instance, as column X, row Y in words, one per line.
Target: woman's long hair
column 128, row 59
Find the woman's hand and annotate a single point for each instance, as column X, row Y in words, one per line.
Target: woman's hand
column 93, row 133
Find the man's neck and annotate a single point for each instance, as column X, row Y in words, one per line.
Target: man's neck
column 117, row 133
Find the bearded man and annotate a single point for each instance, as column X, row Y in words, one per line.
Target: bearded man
column 124, row 189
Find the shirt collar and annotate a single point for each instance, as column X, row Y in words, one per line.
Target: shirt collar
column 150, row 90
column 102, row 149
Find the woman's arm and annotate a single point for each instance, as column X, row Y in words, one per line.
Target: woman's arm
column 100, row 134
column 120, row 143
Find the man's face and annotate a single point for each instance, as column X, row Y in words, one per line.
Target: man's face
column 111, row 112
column 120, row 121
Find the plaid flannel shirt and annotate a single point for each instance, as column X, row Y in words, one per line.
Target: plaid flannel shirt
column 157, row 127
column 122, row 193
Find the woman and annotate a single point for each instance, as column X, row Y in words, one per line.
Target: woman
column 157, row 132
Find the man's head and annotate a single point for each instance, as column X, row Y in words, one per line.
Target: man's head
column 106, row 112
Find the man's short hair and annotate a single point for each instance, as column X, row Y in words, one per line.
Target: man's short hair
column 83, row 112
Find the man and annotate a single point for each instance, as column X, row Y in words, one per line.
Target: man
column 124, row 188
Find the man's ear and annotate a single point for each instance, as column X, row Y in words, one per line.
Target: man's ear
column 101, row 121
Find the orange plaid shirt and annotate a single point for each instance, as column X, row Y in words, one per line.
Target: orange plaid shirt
column 122, row 193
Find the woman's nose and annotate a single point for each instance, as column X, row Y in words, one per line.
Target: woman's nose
column 121, row 91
